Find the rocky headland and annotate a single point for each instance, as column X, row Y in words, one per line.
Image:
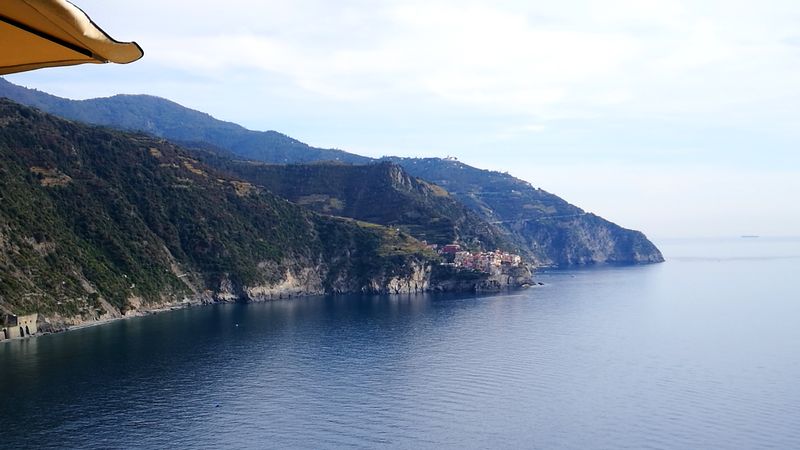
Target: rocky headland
column 97, row 224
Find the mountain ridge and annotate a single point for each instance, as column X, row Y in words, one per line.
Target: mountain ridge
column 550, row 230
column 97, row 223
column 555, row 232
column 176, row 122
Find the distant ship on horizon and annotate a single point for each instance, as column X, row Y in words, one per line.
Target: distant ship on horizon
column 750, row 236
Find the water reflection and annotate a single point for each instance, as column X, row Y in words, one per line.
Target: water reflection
column 688, row 354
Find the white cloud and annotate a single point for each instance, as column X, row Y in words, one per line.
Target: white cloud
column 476, row 55
column 712, row 82
column 577, row 58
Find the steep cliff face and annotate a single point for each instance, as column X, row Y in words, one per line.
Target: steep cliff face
column 414, row 276
column 551, row 231
column 584, row 239
column 448, row 279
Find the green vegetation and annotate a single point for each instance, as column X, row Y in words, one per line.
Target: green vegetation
column 514, row 214
column 499, row 196
column 381, row 193
column 90, row 215
column 170, row 120
column 548, row 229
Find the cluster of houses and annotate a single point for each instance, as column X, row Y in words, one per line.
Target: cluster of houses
column 488, row 262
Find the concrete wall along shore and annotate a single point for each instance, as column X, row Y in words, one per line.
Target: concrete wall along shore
column 15, row 327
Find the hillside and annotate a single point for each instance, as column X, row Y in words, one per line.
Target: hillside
column 163, row 118
column 381, row 193
column 550, row 230
column 97, row 223
column 555, row 232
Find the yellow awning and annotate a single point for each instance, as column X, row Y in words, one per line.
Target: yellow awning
column 48, row 33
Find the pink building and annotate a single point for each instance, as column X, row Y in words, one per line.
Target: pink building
column 451, row 249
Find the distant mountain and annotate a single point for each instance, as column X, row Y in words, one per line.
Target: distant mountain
column 555, row 232
column 170, row 120
column 96, row 223
column 548, row 229
column 381, row 193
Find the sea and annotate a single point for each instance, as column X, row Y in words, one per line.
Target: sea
column 700, row 352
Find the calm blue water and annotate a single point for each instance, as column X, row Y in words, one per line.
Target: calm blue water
column 700, row 352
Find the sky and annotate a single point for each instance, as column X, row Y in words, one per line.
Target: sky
column 677, row 118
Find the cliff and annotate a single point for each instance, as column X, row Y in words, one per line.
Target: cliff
column 448, row 279
column 551, row 231
column 97, row 224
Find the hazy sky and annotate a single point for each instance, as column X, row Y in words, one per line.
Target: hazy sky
column 679, row 118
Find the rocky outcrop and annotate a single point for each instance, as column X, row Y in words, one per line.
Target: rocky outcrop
column 415, row 278
column 418, row 277
column 547, row 229
column 448, row 279
column 306, row 281
column 585, row 239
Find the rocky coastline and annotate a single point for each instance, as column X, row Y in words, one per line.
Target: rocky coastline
column 308, row 282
